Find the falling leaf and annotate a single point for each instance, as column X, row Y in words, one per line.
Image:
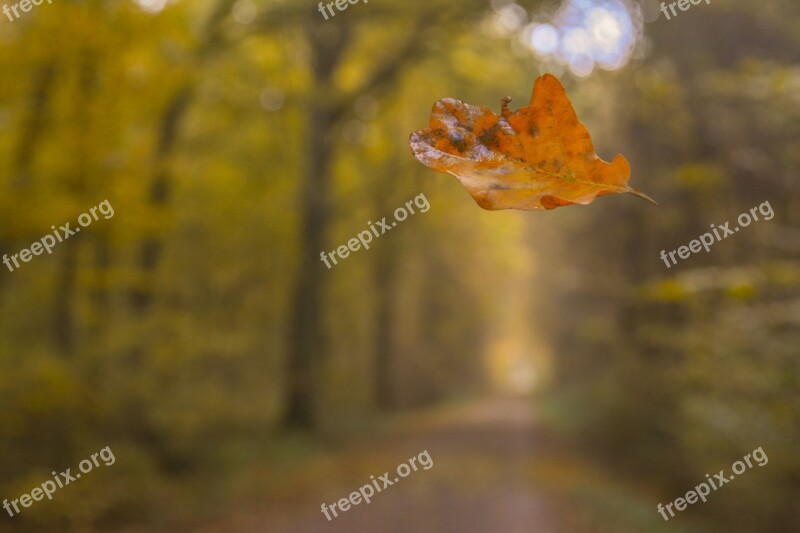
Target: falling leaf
column 540, row 157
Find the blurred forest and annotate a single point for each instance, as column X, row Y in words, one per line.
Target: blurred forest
column 198, row 334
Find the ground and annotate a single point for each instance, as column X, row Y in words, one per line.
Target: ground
column 490, row 474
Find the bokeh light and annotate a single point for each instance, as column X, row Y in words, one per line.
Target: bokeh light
column 586, row 34
column 544, row 39
column 244, row 11
column 152, row 6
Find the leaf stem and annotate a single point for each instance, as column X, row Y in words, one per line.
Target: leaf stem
column 642, row 195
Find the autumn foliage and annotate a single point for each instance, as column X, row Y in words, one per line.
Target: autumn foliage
column 539, row 157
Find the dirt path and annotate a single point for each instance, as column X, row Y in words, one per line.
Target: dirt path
column 481, row 454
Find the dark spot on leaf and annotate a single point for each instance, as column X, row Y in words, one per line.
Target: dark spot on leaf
column 489, row 137
column 458, row 143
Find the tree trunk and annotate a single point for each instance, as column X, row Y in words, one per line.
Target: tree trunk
column 64, row 321
column 30, row 137
column 305, row 346
column 305, row 342
column 161, row 188
column 385, row 274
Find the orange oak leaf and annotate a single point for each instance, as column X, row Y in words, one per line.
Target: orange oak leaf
column 540, row 157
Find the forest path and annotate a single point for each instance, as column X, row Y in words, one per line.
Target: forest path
column 482, row 455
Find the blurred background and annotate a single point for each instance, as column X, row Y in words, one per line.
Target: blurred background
column 559, row 375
